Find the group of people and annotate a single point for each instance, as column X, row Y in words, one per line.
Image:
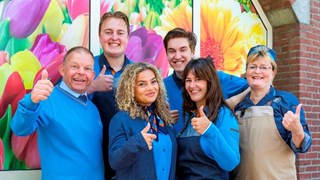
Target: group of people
column 197, row 123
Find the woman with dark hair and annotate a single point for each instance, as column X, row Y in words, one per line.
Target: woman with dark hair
column 208, row 144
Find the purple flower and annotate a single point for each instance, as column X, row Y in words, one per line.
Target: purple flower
column 45, row 49
column 147, row 46
column 25, row 16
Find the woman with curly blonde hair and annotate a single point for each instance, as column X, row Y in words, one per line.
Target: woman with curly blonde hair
column 142, row 145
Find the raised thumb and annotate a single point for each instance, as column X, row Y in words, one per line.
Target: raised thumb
column 44, row 75
column 103, row 70
column 201, row 112
column 146, row 129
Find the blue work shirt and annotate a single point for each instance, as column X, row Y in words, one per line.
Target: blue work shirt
column 106, row 103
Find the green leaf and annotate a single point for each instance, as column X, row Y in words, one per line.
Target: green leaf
column 156, row 5
column 10, row 161
column 4, row 33
column 15, row 45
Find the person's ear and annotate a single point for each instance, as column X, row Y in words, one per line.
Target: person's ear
column 61, row 69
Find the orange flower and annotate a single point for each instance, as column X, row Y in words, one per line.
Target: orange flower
column 227, row 34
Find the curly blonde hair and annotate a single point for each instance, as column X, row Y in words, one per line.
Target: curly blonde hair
column 125, row 94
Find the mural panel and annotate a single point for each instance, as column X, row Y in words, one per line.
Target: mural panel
column 35, row 34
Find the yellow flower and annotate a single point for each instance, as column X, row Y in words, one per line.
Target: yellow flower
column 227, row 34
column 181, row 16
column 77, row 34
column 27, row 64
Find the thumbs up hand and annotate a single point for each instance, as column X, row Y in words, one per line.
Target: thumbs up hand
column 42, row 89
column 291, row 121
column 102, row 82
column 201, row 123
column 147, row 136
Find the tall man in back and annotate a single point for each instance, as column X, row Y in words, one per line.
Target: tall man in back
column 180, row 48
column 113, row 36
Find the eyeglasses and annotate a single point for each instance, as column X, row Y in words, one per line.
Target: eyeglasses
column 262, row 68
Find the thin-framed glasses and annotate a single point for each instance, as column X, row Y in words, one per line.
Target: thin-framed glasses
column 262, row 68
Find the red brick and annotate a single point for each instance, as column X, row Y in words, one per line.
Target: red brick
column 298, row 49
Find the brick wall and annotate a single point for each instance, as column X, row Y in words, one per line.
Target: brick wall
column 298, row 48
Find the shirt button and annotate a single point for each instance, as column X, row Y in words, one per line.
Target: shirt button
column 164, row 150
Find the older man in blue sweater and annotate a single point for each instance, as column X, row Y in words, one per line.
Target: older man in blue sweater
column 69, row 126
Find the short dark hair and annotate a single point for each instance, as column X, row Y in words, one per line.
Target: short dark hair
column 181, row 33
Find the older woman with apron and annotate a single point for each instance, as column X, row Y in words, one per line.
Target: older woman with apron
column 271, row 122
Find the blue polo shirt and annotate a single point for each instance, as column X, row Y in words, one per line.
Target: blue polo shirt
column 106, row 103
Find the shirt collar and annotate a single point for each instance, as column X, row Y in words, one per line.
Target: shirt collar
column 64, row 86
column 103, row 61
column 247, row 102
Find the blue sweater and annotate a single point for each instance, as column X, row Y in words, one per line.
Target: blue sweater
column 69, row 135
column 128, row 152
column 231, row 85
column 282, row 102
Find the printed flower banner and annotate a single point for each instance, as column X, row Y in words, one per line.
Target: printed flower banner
column 35, row 35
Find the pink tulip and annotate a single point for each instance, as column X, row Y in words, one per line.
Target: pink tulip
column 77, row 7
column 53, row 70
column 25, row 16
column 26, row 149
column 106, row 5
column 46, row 50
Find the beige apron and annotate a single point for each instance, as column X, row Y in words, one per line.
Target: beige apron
column 264, row 154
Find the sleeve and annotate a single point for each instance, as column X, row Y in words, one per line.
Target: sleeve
column 24, row 121
column 307, row 141
column 123, row 150
column 231, row 85
column 221, row 142
column 292, row 102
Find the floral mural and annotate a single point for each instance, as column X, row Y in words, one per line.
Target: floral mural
column 228, row 31
column 38, row 39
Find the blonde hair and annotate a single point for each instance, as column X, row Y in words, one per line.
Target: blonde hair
column 125, row 94
column 261, row 51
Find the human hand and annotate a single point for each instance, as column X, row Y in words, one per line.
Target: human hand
column 42, row 88
column 147, row 136
column 200, row 124
column 174, row 115
column 102, row 82
column 291, row 121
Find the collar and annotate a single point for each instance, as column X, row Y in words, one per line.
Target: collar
column 103, row 61
column 247, row 102
column 64, row 86
column 177, row 80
